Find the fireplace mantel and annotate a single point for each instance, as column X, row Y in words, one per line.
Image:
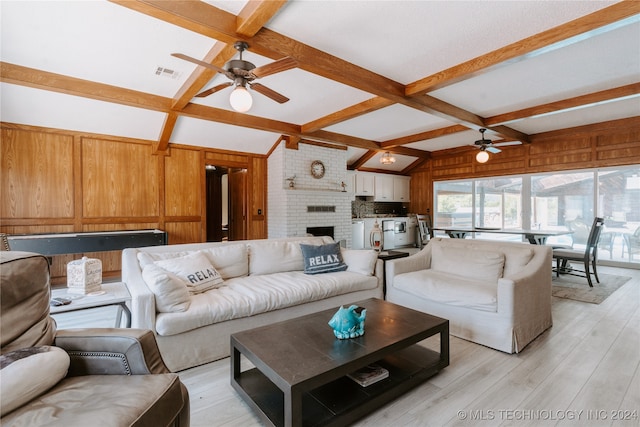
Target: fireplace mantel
column 302, row 191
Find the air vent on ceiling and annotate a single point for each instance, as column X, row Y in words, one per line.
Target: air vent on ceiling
column 166, row 72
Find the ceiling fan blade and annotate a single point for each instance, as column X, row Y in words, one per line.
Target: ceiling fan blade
column 214, row 89
column 506, row 143
column 493, row 150
column 269, row 93
column 197, row 61
column 283, row 64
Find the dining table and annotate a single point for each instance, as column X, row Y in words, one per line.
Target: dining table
column 535, row 237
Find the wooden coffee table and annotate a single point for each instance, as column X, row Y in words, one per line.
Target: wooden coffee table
column 300, row 370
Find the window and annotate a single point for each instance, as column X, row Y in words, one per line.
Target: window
column 554, row 201
column 454, row 204
column 499, row 203
column 563, row 200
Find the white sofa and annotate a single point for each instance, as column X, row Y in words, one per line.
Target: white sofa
column 494, row 293
column 263, row 281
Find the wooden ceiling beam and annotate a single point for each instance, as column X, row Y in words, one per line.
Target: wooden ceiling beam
column 255, row 14
column 16, row 74
column 291, row 142
column 423, row 136
column 218, row 24
column 562, row 35
column 165, row 135
column 414, row 165
column 323, row 135
column 420, row 154
column 250, row 19
column 219, row 55
column 210, row 21
column 356, row 110
column 362, row 160
column 324, row 144
column 259, row 123
column 30, row 77
column 564, row 105
column 238, row 119
column 195, row 16
column 407, row 151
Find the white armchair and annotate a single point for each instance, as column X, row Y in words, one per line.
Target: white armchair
column 494, row 293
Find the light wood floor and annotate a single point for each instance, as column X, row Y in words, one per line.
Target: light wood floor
column 585, row 370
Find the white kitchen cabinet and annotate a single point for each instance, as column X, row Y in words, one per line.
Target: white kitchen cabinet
column 351, row 182
column 384, row 188
column 365, row 184
column 401, row 189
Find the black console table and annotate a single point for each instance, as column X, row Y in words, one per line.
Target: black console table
column 76, row 243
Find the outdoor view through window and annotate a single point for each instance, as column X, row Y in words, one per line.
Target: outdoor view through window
column 557, row 201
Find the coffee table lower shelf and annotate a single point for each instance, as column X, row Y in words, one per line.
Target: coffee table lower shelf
column 342, row 401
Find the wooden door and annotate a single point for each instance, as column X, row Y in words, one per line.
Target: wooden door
column 214, row 208
column 237, row 204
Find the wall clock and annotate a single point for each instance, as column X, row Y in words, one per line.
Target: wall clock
column 317, row 169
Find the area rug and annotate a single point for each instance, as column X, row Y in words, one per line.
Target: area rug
column 577, row 288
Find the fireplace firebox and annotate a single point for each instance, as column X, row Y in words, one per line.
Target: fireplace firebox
column 320, row 231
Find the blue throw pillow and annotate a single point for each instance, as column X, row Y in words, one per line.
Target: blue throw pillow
column 323, row 258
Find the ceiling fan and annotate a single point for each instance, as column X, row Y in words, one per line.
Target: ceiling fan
column 486, row 146
column 242, row 74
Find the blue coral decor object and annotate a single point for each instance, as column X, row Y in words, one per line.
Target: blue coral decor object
column 348, row 322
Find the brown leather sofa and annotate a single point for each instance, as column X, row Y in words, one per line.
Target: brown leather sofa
column 116, row 377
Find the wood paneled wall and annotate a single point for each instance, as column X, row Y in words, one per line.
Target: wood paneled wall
column 615, row 143
column 56, row 181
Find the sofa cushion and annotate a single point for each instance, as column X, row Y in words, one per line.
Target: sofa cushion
column 473, row 264
column 27, row 373
column 251, row 295
column 450, row 289
column 103, row 400
column 515, row 259
column 231, row 260
column 322, row 258
column 277, row 256
column 170, row 292
column 360, row 260
column 146, row 258
column 195, row 270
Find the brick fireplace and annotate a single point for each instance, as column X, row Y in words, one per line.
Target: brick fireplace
column 311, row 202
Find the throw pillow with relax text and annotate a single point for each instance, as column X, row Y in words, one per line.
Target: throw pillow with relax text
column 322, row 258
column 195, row 270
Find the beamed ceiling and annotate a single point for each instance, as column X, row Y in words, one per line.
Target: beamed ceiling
column 409, row 77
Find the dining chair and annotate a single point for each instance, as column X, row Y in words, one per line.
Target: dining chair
column 589, row 256
column 580, row 232
column 632, row 243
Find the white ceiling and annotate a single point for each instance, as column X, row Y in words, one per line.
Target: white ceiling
column 404, row 41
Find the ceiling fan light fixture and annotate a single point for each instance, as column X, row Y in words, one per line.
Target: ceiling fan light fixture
column 482, row 156
column 387, row 159
column 240, row 99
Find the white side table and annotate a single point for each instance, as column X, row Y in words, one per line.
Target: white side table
column 116, row 293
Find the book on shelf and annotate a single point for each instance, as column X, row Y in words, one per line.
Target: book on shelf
column 368, row 375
